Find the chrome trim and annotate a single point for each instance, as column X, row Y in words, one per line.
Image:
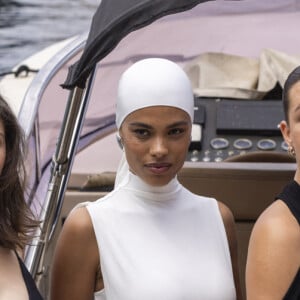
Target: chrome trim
column 34, row 92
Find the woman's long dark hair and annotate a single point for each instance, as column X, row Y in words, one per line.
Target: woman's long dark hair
column 16, row 219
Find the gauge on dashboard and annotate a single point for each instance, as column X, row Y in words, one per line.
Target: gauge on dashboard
column 219, row 143
column 266, row 144
column 242, row 144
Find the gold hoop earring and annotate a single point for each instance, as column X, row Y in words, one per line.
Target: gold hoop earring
column 291, row 151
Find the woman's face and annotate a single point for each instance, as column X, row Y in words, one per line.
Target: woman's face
column 291, row 131
column 156, row 141
column 2, row 146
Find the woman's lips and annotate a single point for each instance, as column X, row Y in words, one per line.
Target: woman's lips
column 158, row 168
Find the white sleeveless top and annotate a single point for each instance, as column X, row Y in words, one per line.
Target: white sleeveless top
column 161, row 243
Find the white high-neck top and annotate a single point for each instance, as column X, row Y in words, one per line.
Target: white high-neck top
column 161, row 243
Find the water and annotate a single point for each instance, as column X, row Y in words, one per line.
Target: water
column 27, row 26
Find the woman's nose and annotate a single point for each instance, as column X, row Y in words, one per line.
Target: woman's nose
column 158, row 147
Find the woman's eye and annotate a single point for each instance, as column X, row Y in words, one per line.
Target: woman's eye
column 141, row 133
column 176, row 131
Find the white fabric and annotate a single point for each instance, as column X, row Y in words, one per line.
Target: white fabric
column 232, row 76
column 161, row 243
column 122, row 171
column 151, row 82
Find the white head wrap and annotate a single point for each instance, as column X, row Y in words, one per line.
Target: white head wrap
column 152, row 82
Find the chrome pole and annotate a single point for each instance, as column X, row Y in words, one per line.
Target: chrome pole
column 60, row 171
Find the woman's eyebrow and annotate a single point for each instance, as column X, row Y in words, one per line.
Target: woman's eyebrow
column 140, row 124
column 147, row 126
column 180, row 123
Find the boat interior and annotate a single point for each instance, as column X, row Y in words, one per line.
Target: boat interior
column 237, row 154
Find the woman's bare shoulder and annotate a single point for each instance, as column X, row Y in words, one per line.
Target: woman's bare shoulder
column 79, row 220
column 226, row 214
column 273, row 253
column 277, row 223
column 277, row 233
column 229, row 224
column 76, row 258
column 77, row 233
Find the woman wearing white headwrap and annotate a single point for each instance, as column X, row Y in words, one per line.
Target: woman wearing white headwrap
column 150, row 238
column 136, row 90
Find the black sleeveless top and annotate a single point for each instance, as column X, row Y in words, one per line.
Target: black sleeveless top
column 291, row 197
column 33, row 292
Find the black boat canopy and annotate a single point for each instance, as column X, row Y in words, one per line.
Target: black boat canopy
column 113, row 20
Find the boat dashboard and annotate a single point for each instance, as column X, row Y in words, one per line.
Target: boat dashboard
column 237, row 129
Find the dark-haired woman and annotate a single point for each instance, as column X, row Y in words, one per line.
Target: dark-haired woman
column 274, row 250
column 16, row 220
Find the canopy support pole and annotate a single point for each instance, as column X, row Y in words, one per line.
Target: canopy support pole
column 61, row 166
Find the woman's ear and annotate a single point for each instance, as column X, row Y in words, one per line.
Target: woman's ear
column 285, row 131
